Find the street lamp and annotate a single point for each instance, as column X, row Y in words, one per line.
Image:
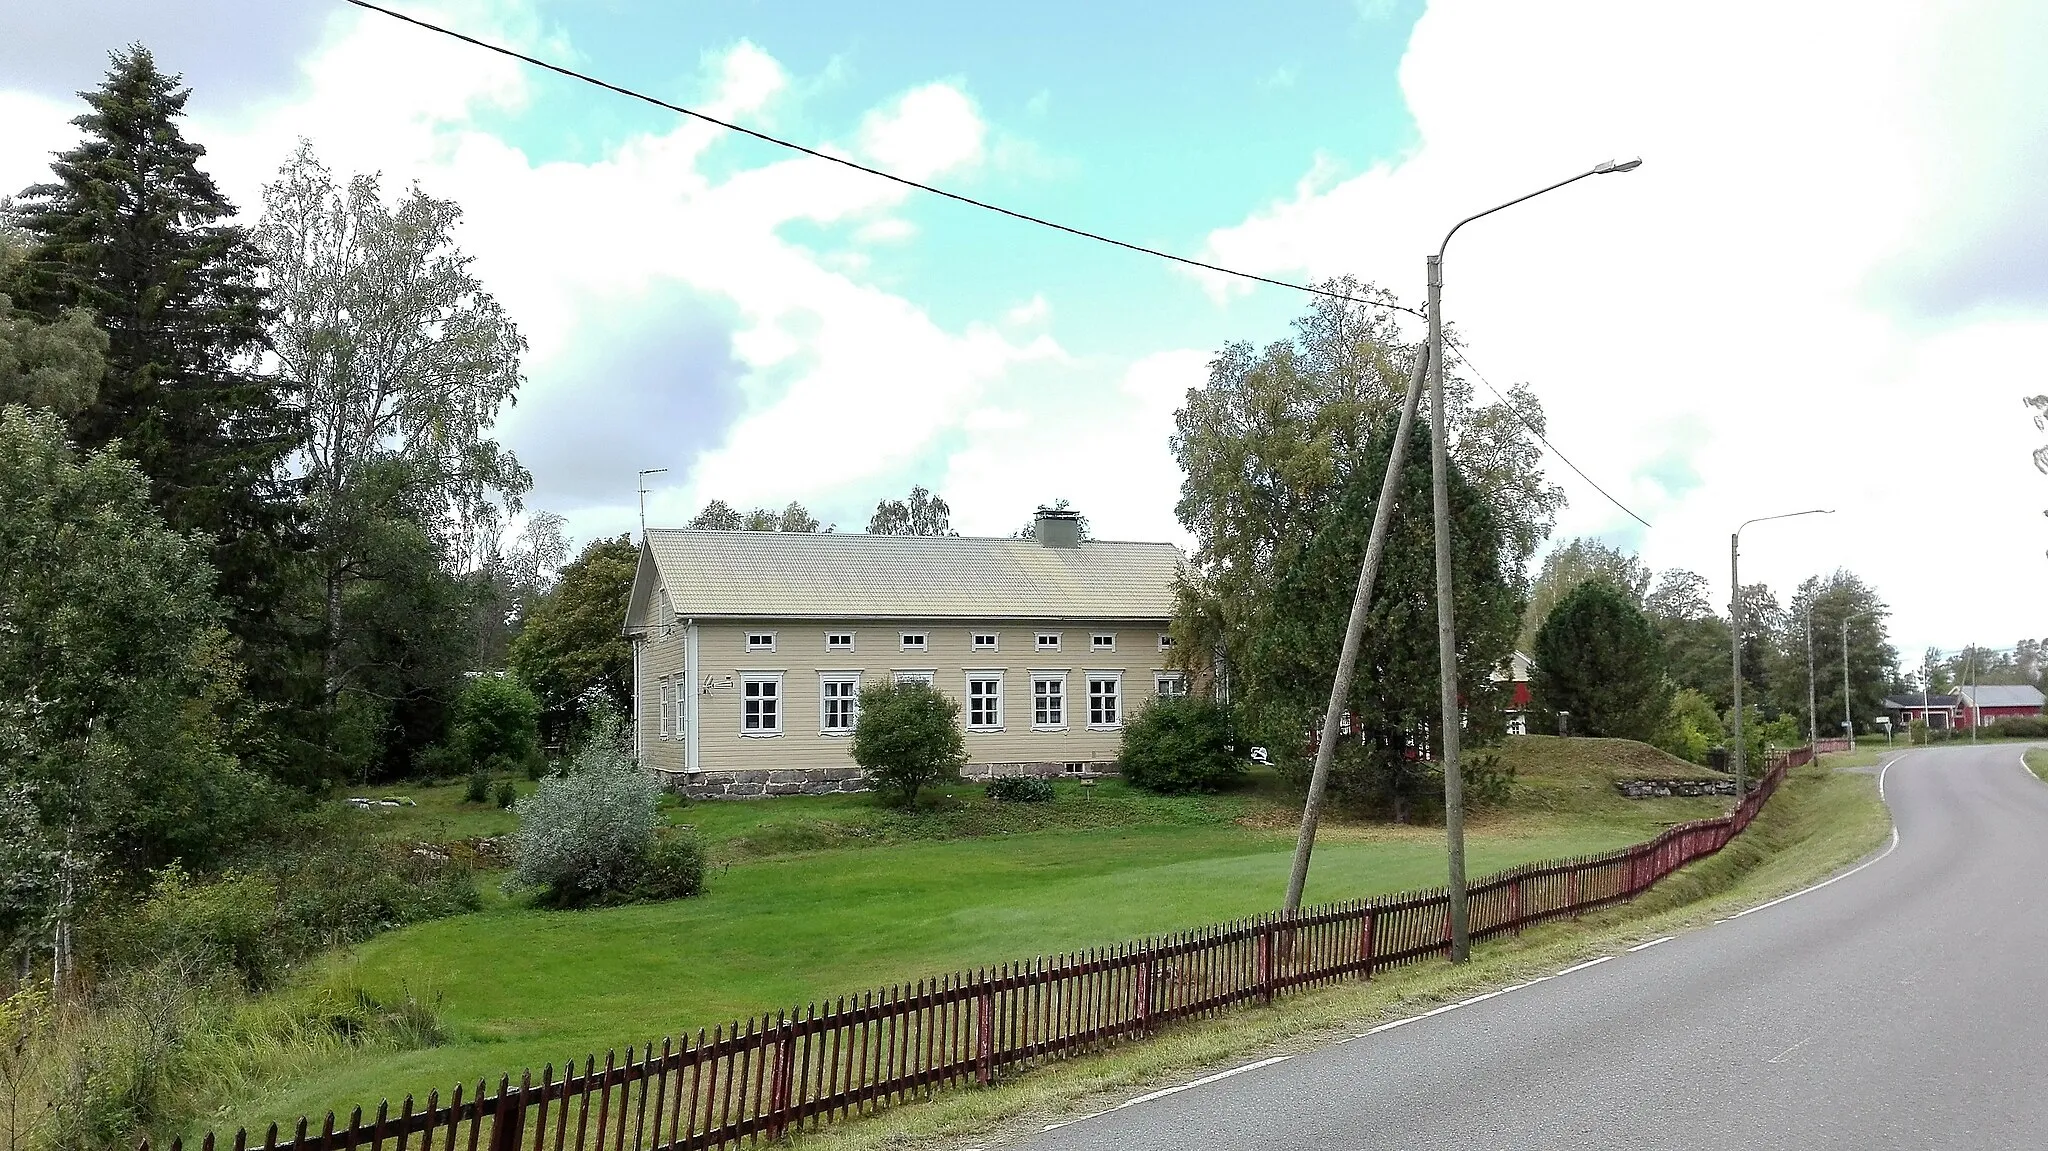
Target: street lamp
column 1446, row 616
column 1735, row 622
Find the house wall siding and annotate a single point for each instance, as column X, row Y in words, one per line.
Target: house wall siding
column 800, row 655
column 660, row 655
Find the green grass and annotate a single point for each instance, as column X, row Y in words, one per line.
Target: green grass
column 815, row 897
column 2037, row 762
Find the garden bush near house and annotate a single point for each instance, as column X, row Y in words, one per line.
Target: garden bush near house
column 1691, row 728
column 1019, row 789
column 506, row 794
column 1176, row 745
column 1916, row 733
column 496, row 727
column 2016, row 727
column 907, row 738
column 478, row 787
column 590, row 837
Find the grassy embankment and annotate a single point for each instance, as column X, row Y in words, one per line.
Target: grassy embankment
column 815, row 897
column 2037, row 762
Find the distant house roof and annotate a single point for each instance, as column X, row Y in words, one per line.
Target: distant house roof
column 1912, row 700
column 2002, row 695
column 833, row 575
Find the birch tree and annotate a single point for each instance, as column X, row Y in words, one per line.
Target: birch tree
column 402, row 357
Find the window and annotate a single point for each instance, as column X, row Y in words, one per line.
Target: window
column 1165, row 642
column 1102, row 641
column 1169, row 684
column 761, row 704
column 984, row 641
column 838, row 702
column 1048, row 641
column 667, row 723
column 928, row 678
column 760, row 641
column 1074, row 768
column 838, row 641
column 1105, row 699
column 1048, row 702
column 913, row 641
column 985, row 700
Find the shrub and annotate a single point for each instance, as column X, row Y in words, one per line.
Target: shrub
column 2017, row 727
column 507, row 794
column 673, row 869
column 1020, row 789
column 1182, row 744
column 1691, row 728
column 479, row 789
column 1917, row 732
column 1487, row 782
column 907, row 737
column 497, row 724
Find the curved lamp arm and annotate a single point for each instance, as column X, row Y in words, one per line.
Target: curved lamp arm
column 1600, row 169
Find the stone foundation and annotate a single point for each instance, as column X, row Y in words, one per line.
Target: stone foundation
column 1665, row 788
column 759, row 783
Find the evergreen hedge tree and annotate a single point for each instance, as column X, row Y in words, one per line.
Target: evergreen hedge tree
column 131, row 229
column 1599, row 658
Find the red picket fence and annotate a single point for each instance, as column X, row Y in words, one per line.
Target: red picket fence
column 778, row 1074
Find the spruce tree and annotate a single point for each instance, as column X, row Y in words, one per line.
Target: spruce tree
column 1598, row 657
column 132, row 229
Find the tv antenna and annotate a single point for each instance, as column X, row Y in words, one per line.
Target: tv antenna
column 644, row 473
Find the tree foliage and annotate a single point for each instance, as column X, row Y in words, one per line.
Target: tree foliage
column 1180, row 744
column 1830, row 599
column 117, row 683
column 570, row 646
column 591, row 835
column 54, row 365
column 1598, row 658
column 496, row 726
column 1291, row 636
column 1695, row 639
column 907, row 737
column 2040, row 406
column 132, row 230
column 723, row 517
column 1571, row 564
column 919, row 514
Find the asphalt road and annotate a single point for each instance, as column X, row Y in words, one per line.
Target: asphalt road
column 1902, row 1006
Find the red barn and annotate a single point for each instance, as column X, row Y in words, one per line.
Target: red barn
column 1988, row 702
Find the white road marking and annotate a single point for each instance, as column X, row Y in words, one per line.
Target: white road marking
column 1389, row 1026
column 1780, row 1056
column 1204, row 1081
column 1652, row 943
column 1586, row 964
column 1889, row 848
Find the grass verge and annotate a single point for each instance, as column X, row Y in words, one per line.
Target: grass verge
column 1821, row 821
column 2037, row 762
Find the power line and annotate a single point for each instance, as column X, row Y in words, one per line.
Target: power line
column 859, row 167
column 1534, row 431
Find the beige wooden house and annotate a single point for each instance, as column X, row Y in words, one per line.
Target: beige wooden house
column 750, row 649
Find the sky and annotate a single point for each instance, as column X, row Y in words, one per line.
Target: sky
column 1827, row 285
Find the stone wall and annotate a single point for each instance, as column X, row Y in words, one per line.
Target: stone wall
column 1664, row 788
column 758, row 783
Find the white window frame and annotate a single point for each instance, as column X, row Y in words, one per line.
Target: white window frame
column 852, row 703
column 1117, row 697
column 972, row 677
column 1095, row 641
column 926, row 676
column 1055, row 677
column 924, row 639
column 753, row 638
column 1038, row 641
column 1165, row 641
column 994, row 639
column 664, row 724
column 749, row 678
column 1162, row 679
column 831, row 646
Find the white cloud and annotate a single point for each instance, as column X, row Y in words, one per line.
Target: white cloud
column 1035, row 310
column 926, row 131
column 1714, row 311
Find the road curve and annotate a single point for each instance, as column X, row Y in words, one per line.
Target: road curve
column 1903, row 1006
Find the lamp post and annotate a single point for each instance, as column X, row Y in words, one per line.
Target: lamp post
column 1446, row 615
column 1735, row 624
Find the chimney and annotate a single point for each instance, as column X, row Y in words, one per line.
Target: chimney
column 1057, row 528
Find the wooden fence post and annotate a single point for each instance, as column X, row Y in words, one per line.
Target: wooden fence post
column 1571, row 892
column 785, row 1074
column 1365, row 939
column 1265, row 962
column 1515, row 904
column 985, row 1037
column 509, row 1121
column 1142, row 993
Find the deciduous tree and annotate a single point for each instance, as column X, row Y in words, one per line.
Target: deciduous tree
column 919, row 514
column 570, row 644
column 907, row 737
column 1571, row 564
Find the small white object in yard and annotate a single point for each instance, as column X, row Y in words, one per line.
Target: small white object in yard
column 1258, row 755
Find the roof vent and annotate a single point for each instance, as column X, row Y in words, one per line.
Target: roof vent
column 1057, row 528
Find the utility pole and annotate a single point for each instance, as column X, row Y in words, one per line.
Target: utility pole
column 1354, row 630
column 644, row 473
column 1848, row 721
column 1976, row 709
column 1812, row 712
column 1446, row 613
column 1735, row 625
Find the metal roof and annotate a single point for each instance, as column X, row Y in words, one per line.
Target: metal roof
column 2002, row 695
column 834, row 575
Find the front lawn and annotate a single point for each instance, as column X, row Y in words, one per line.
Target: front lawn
column 894, row 897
